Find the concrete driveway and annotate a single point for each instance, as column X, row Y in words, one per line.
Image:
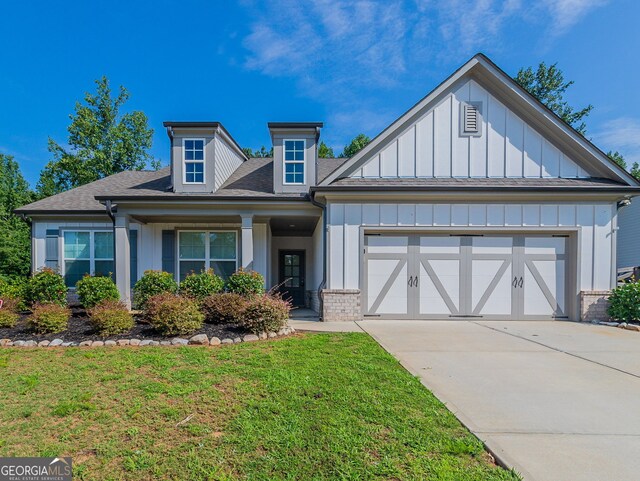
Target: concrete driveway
column 555, row 400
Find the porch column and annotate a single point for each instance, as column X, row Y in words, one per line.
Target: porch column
column 122, row 259
column 247, row 242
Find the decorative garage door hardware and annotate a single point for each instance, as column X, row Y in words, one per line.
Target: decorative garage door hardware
column 442, row 276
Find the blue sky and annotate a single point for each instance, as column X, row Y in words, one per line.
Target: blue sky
column 356, row 65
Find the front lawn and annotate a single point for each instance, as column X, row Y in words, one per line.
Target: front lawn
column 324, row 406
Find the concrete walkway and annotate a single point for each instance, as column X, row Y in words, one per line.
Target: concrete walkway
column 555, row 400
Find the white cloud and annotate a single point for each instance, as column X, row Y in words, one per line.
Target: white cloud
column 621, row 134
column 566, row 13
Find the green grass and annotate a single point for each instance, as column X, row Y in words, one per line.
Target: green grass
column 326, row 406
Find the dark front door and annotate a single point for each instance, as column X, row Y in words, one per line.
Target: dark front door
column 292, row 276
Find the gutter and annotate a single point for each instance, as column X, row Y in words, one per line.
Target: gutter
column 111, row 210
column 324, row 253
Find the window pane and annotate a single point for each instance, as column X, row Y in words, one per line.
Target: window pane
column 299, row 145
column 198, row 177
column 103, row 245
column 74, row 271
column 299, row 155
column 76, row 245
column 223, row 268
column 222, row 245
column 187, row 267
column 198, row 155
column 192, row 245
column 104, row 268
column 289, row 155
column 188, row 144
column 198, row 144
column 188, row 154
column 289, row 144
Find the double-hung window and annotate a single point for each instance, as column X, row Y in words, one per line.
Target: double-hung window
column 87, row 252
column 193, row 161
column 294, row 161
column 200, row 250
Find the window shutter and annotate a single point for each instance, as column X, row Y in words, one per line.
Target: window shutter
column 51, row 249
column 470, row 118
column 133, row 249
column 169, row 251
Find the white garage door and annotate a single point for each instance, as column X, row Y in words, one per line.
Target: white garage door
column 442, row 276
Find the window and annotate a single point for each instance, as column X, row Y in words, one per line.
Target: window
column 193, row 161
column 200, row 250
column 87, row 252
column 294, row 161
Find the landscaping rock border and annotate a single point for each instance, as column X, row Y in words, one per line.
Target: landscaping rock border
column 619, row 325
column 197, row 340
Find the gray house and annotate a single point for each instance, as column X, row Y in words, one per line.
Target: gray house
column 476, row 202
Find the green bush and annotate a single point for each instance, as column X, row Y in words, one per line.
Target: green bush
column 46, row 287
column 9, row 312
column 224, row 308
column 173, row 315
column 246, row 283
column 93, row 289
column 49, row 318
column 624, row 302
column 110, row 317
column 266, row 313
column 14, row 288
column 199, row 286
column 151, row 284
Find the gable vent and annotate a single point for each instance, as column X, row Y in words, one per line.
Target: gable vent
column 471, row 118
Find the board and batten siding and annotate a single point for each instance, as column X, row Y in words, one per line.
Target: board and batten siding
column 596, row 223
column 226, row 161
column 433, row 147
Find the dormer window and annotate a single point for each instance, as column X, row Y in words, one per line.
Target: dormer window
column 294, row 162
column 193, row 161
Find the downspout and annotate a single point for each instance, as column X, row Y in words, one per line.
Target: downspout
column 111, row 209
column 324, row 251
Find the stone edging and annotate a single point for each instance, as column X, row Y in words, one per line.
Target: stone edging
column 620, row 325
column 197, row 340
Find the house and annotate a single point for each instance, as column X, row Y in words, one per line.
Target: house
column 476, row 202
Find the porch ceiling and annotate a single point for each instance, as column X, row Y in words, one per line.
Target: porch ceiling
column 293, row 226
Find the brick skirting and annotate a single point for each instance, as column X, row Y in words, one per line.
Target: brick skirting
column 341, row 305
column 594, row 305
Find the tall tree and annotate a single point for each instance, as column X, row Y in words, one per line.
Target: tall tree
column 324, row 151
column 358, row 143
column 618, row 158
column 547, row 84
column 102, row 141
column 15, row 235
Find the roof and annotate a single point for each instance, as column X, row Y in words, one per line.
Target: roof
column 252, row 180
column 481, row 66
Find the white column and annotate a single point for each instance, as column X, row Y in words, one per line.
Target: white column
column 122, row 258
column 260, row 251
column 247, row 242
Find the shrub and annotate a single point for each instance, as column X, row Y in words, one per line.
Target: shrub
column 9, row 312
column 49, row 318
column 46, row 287
column 14, row 289
column 111, row 317
column 93, row 290
column 624, row 302
column 199, row 286
column 151, row 284
column 246, row 283
column 266, row 313
column 224, row 308
column 173, row 315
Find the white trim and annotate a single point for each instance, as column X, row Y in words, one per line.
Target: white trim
column 203, row 161
column 92, row 259
column 285, row 162
column 207, row 247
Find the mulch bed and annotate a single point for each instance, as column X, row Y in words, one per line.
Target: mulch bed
column 80, row 329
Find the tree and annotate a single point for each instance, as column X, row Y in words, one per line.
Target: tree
column 15, row 234
column 358, row 143
column 618, row 158
column 324, row 151
column 102, row 142
column 262, row 153
column 547, row 84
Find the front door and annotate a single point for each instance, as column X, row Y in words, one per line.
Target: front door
column 291, row 279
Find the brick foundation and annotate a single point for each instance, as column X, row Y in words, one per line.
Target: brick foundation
column 594, row 305
column 341, row 305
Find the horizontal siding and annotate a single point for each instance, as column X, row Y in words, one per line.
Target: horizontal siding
column 594, row 221
column 226, row 162
column 433, row 147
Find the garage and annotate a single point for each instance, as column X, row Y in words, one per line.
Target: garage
column 489, row 275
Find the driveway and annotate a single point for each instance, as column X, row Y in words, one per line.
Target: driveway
column 555, row 400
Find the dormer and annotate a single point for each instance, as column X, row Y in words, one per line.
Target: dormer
column 203, row 156
column 295, row 154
